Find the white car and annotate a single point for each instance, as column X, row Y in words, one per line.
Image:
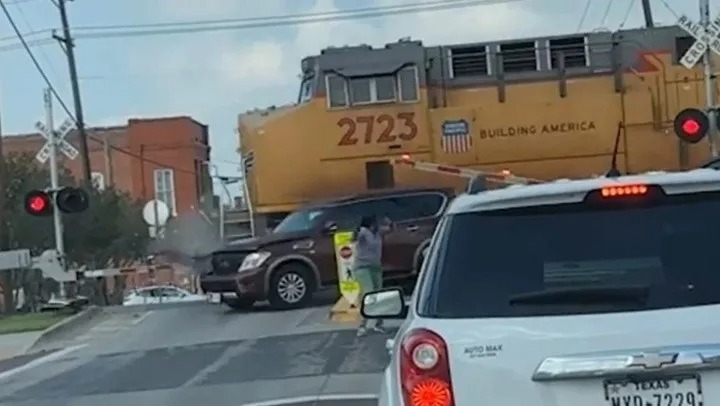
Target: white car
column 161, row 294
column 596, row 292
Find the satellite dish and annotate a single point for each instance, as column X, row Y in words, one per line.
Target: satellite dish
column 151, row 208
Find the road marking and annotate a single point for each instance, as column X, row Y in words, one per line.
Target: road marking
column 141, row 318
column 221, row 361
column 317, row 398
column 42, row 360
column 112, row 325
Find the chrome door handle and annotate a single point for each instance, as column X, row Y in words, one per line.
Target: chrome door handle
column 411, row 229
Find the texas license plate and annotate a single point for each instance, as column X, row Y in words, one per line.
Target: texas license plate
column 665, row 391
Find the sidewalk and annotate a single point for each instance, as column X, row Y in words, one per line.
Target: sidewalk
column 12, row 345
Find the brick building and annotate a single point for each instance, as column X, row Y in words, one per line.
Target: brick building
column 163, row 157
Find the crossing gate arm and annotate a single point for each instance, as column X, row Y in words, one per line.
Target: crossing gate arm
column 504, row 177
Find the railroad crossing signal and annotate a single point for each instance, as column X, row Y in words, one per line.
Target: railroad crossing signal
column 68, row 200
column 705, row 37
column 65, row 147
column 691, row 125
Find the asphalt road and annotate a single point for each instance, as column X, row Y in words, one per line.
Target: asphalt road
column 200, row 354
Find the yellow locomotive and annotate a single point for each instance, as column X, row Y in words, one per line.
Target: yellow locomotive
column 544, row 108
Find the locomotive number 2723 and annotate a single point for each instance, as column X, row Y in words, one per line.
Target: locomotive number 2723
column 386, row 123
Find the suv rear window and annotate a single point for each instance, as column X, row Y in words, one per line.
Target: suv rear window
column 484, row 261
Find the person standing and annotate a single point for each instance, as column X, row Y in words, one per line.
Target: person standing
column 368, row 263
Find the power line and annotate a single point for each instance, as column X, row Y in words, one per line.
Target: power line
column 189, row 27
column 60, row 100
column 32, row 44
column 584, row 15
column 239, row 24
column 670, row 9
column 607, row 12
column 29, row 27
column 395, row 8
column 631, row 5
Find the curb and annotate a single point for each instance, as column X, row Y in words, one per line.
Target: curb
column 342, row 312
column 65, row 325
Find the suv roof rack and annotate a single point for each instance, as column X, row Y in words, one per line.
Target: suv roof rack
column 478, row 180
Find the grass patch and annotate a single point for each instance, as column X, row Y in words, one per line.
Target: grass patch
column 26, row 322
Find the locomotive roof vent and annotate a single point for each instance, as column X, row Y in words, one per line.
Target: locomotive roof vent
column 346, row 48
column 404, row 42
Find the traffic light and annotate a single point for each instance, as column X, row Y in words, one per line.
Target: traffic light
column 67, row 200
column 691, row 125
column 71, row 200
column 38, row 203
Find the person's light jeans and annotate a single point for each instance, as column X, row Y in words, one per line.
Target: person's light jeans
column 370, row 279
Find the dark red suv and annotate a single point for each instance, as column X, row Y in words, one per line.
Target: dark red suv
column 298, row 258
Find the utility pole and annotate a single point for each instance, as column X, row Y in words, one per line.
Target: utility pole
column 69, row 48
column 109, row 176
column 709, row 76
column 3, row 220
column 647, row 12
column 54, row 181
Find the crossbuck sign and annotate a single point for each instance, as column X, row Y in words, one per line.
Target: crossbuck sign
column 705, row 37
column 65, row 147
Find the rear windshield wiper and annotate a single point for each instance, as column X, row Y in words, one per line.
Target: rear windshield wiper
column 584, row 296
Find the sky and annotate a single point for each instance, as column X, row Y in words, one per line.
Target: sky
column 213, row 76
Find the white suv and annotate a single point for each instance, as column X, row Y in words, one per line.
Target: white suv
column 596, row 292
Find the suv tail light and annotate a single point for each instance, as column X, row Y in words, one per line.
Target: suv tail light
column 425, row 370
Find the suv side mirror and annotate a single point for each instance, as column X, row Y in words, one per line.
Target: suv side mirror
column 330, row 227
column 384, row 304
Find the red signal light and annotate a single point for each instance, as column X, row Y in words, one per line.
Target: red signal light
column 38, row 203
column 625, row 190
column 691, row 125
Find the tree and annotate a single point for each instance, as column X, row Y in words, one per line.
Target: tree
column 111, row 233
column 22, row 230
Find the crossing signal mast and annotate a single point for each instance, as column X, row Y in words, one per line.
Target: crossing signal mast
column 693, row 125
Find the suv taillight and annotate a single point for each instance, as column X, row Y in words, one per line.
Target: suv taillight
column 425, row 370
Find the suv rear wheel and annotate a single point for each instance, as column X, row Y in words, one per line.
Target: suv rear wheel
column 291, row 286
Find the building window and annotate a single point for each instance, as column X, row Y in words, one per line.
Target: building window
column 402, row 86
column 573, row 49
column 682, row 45
column 469, row 61
column 519, row 57
column 165, row 188
column 98, row 180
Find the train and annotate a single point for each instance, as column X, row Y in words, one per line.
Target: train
column 545, row 108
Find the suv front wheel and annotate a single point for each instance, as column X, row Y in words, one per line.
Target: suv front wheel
column 291, row 287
